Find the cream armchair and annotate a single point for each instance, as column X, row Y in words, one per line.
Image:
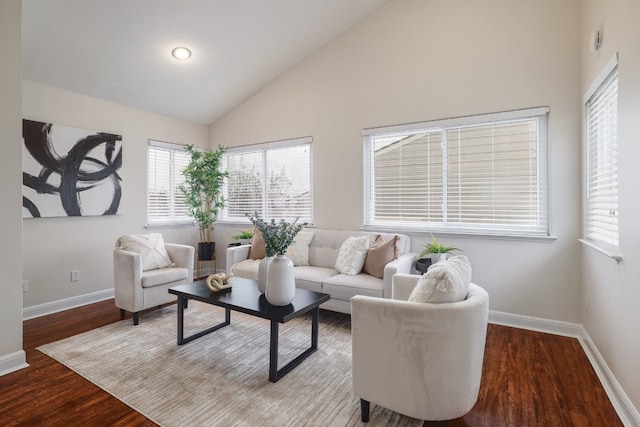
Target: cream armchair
column 423, row 360
column 137, row 290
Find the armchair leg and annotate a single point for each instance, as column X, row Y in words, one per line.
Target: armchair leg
column 136, row 319
column 364, row 410
column 122, row 313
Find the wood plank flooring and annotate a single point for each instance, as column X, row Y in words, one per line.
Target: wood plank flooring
column 529, row 379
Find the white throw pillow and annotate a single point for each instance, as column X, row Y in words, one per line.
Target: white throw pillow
column 445, row 281
column 150, row 247
column 298, row 250
column 352, row 254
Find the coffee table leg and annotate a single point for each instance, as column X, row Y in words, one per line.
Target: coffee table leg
column 274, row 373
column 182, row 302
column 273, row 352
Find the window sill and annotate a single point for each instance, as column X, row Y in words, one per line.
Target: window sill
column 608, row 252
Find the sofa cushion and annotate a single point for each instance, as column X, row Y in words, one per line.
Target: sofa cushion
column 311, row 278
column 298, row 250
column 352, row 254
column 163, row 276
column 344, row 286
column 247, row 268
column 150, row 247
column 445, row 281
column 380, row 254
column 257, row 250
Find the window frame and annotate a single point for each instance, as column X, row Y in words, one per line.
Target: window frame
column 264, row 148
column 174, row 221
column 541, row 114
column 600, row 84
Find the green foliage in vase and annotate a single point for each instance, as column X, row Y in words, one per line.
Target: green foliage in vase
column 202, row 187
column 277, row 235
column 435, row 247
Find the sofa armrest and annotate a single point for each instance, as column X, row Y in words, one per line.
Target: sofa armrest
column 403, row 264
column 402, row 285
column 182, row 255
column 236, row 254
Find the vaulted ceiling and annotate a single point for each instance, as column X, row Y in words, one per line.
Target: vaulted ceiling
column 120, row 50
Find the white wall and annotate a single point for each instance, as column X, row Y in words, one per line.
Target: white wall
column 613, row 291
column 11, row 354
column 55, row 246
column 414, row 61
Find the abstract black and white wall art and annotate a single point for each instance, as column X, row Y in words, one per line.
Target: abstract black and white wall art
column 69, row 172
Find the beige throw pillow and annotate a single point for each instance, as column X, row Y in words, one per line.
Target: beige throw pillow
column 351, row 255
column 257, row 250
column 445, row 281
column 150, row 247
column 298, row 250
column 379, row 255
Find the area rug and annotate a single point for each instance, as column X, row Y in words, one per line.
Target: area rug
column 221, row 379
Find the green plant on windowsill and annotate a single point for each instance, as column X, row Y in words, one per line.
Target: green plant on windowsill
column 244, row 235
column 435, row 247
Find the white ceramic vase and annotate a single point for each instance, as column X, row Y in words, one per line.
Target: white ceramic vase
column 281, row 281
column 263, row 268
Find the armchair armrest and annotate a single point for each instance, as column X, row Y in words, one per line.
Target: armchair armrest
column 182, row 255
column 236, row 254
column 403, row 264
column 127, row 276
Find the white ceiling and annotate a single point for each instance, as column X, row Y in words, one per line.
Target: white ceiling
column 120, row 50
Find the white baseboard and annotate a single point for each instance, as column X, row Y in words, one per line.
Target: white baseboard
column 628, row 414
column 625, row 409
column 65, row 304
column 13, row 362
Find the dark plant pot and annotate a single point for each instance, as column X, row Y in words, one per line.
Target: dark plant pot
column 422, row 265
column 232, row 244
column 206, row 250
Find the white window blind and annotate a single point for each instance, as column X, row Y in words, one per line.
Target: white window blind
column 482, row 175
column 601, row 225
column 165, row 201
column 271, row 179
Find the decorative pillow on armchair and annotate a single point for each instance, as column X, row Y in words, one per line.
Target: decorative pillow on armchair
column 352, row 254
column 445, row 281
column 150, row 247
column 298, row 250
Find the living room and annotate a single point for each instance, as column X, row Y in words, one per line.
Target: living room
column 407, row 62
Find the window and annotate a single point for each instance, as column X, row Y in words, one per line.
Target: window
column 273, row 179
column 601, row 222
column 165, row 201
column 473, row 175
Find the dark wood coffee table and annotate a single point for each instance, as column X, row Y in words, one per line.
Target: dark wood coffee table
column 245, row 297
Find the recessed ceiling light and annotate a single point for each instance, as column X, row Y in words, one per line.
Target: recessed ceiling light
column 181, row 53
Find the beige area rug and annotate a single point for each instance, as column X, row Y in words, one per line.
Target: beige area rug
column 221, row 379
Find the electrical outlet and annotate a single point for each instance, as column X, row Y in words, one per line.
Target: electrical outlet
column 586, row 303
column 75, row 275
column 25, row 286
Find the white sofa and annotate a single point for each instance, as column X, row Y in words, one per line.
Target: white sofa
column 321, row 276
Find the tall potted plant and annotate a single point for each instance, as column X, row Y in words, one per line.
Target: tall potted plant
column 202, row 187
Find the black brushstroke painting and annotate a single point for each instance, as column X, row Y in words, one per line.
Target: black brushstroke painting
column 91, row 165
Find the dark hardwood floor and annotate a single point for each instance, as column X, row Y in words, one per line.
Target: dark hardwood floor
column 529, row 379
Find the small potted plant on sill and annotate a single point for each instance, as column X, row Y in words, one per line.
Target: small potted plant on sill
column 436, row 252
column 243, row 238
